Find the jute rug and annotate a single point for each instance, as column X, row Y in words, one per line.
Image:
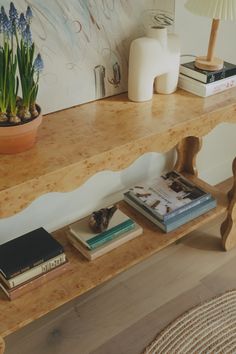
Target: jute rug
column 207, row 328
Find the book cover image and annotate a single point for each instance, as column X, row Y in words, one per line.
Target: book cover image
column 168, row 193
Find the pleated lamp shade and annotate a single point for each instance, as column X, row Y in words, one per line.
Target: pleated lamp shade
column 216, row 10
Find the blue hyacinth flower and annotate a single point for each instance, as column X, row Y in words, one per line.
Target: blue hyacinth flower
column 22, row 23
column 1, row 22
column 28, row 15
column 13, row 14
column 27, row 36
column 38, row 64
column 5, row 23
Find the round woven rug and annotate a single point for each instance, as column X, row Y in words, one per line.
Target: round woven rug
column 207, row 328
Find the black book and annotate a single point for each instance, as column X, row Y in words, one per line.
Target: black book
column 27, row 251
column 207, row 77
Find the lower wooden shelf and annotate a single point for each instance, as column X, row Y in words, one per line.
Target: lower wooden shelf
column 83, row 275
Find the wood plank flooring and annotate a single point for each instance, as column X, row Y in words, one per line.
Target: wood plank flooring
column 125, row 314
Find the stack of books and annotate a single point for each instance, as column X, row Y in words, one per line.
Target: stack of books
column 170, row 200
column 28, row 261
column 206, row 83
column 121, row 229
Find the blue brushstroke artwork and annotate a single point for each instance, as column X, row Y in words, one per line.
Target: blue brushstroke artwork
column 85, row 45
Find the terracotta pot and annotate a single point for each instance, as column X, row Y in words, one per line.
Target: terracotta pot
column 18, row 138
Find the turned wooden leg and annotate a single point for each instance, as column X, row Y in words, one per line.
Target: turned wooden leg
column 187, row 151
column 228, row 228
column 2, row 345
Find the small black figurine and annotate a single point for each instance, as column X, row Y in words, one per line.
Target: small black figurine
column 99, row 220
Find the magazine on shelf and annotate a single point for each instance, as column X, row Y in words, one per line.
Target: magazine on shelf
column 118, row 224
column 168, row 195
column 178, row 220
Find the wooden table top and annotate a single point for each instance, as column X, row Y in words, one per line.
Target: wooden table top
column 109, row 134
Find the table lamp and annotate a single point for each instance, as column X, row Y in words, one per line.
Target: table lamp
column 217, row 10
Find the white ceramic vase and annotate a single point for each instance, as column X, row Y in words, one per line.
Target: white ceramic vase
column 153, row 59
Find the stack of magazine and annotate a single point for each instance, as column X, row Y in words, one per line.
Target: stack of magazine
column 170, row 200
column 206, row 83
column 91, row 245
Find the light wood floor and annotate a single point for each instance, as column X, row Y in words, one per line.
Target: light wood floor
column 125, row 314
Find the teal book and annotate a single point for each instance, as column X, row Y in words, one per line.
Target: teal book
column 119, row 224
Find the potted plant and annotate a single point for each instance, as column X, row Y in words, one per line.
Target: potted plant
column 20, row 69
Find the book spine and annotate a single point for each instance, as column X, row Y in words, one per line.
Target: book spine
column 202, row 209
column 47, row 257
column 221, row 85
column 212, row 77
column 172, row 214
column 209, row 77
column 109, row 246
column 101, row 239
column 33, row 272
column 186, row 207
column 37, row 282
column 198, row 211
column 203, row 90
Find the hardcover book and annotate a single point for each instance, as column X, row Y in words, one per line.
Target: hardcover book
column 177, row 221
column 34, row 272
column 35, row 283
column 168, row 195
column 119, row 224
column 107, row 247
column 207, row 77
column 27, row 251
column 204, row 90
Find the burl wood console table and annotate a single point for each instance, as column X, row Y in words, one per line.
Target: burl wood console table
column 109, row 135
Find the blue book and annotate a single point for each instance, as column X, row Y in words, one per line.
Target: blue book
column 178, row 220
column 167, row 196
column 119, row 224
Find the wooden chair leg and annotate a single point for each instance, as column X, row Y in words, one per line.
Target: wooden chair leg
column 187, row 151
column 2, row 345
column 228, row 227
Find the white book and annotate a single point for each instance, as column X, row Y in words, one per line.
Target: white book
column 204, row 90
column 107, row 247
column 84, row 234
column 35, row 271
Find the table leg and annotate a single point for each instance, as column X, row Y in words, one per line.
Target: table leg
column 228, row 228
column 187, row 151
column 2, row 345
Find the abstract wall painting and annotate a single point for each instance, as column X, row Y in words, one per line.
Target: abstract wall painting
column 85, row 45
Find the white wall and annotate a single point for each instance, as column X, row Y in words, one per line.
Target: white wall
column 214, row 161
